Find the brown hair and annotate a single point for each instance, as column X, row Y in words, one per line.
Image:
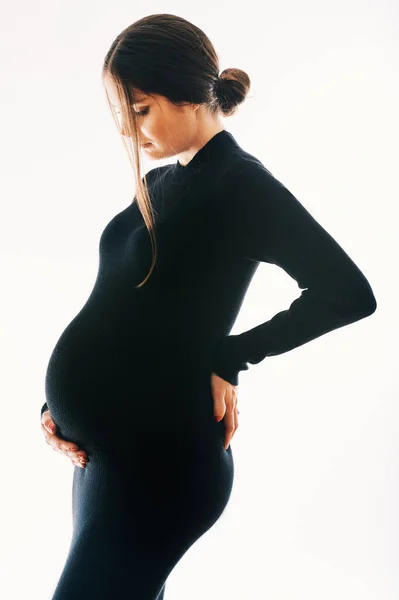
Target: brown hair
column 166, row 55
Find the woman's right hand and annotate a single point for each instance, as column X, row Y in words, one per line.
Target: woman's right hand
column 78, row 457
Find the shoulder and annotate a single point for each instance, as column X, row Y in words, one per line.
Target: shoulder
column 248, row 182
column 247, row 174
column 154, row 173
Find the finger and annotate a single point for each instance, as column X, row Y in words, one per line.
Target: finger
column 49, row 436
column 73, row 455
column 229, row 419
column 61, row 445
column 236, row 413
column 72, row 450
column 234, row 408
column 80, row 457
column 79, row 463
column 219, row 404
column 48, row 422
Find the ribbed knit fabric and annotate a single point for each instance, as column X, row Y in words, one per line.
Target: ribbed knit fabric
column 218, row 217
column 129, row 378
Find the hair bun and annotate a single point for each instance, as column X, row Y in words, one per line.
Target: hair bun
column 231, row 88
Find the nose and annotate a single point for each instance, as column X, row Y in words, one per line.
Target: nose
column 125, row 134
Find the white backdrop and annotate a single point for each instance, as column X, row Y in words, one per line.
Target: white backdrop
column 314, row 508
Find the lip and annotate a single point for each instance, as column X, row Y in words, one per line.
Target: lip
column 146, row 145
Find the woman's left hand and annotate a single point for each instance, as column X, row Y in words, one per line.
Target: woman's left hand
column 225, row 405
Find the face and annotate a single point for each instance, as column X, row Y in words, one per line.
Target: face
column 172, row 130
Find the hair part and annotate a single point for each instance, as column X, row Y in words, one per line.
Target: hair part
column 166, row 55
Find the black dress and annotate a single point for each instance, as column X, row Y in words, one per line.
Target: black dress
column 129, row 378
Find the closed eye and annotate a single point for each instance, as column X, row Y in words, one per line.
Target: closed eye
column 141, row 113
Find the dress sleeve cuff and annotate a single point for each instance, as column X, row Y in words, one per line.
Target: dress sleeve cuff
column 226, row 359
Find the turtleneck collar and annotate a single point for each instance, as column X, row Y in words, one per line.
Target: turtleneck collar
column 214, row 148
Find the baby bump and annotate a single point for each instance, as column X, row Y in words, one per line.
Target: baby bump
column 96, row 394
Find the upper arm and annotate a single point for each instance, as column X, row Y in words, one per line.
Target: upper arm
column 272, row 225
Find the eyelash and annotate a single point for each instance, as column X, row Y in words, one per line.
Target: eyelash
column 141, row 113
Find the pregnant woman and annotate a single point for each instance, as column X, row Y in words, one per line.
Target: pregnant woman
column 137, row 378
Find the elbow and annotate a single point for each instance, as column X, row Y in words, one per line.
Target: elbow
column 372, row 304
column 362, row 302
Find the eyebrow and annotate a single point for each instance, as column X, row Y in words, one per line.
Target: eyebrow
column 138, row 100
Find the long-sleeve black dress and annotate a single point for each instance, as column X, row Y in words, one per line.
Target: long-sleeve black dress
column 129, row 378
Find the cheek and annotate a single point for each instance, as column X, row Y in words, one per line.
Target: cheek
column 150, row 126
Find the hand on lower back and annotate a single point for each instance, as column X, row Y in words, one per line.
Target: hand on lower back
column 225, row 405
